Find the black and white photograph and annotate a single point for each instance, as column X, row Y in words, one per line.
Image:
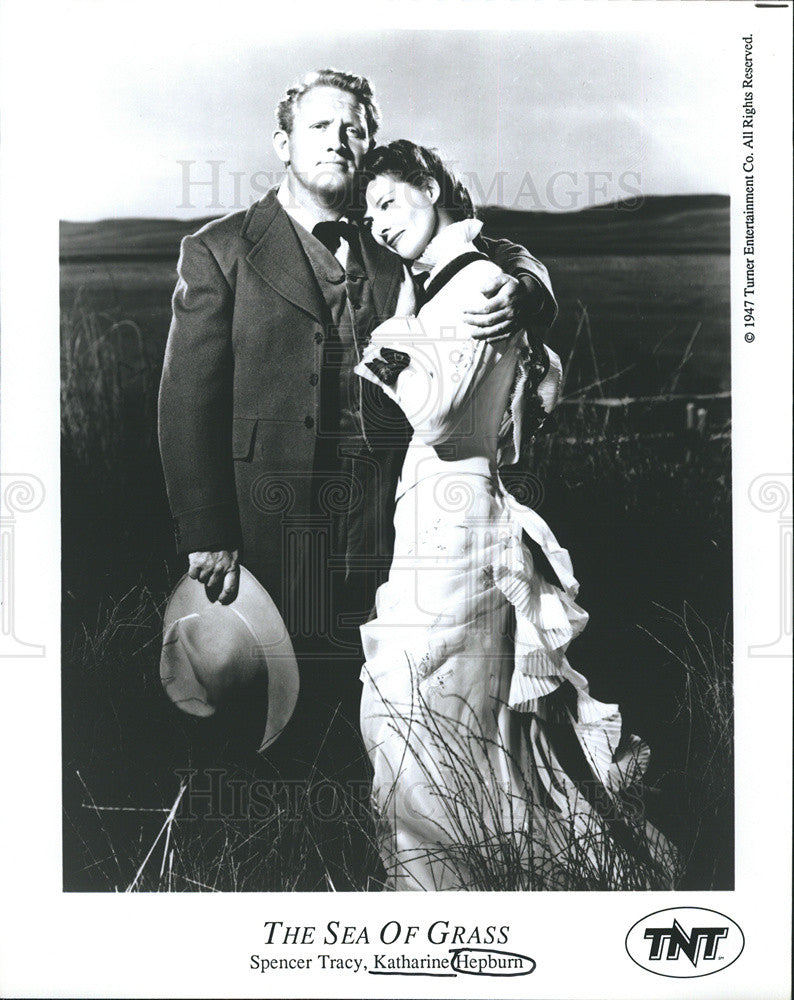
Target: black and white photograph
column 404, row 504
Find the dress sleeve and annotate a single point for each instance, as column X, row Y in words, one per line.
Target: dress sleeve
column 539, row 376
column 518, row 262
column 430, row 364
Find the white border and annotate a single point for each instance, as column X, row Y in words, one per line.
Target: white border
column 52, row 944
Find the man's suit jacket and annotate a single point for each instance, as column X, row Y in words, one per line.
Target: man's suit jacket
column 239, row 397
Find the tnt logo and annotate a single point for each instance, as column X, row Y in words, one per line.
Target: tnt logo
column 685, row 942
column 679, row 942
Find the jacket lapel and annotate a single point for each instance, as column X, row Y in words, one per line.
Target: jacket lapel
column 278, row 258
column 385, row 275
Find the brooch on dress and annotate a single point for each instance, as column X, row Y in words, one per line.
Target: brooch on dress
column 388, row 364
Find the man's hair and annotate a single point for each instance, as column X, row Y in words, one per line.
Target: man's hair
column 358, row 86
column 406, row 161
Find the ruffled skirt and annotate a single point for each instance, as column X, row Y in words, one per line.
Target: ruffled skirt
column 494, row 768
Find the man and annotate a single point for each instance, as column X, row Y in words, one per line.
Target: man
column 274, row 452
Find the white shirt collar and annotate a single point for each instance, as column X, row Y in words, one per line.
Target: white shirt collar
column 450, row 243
column 297, row 212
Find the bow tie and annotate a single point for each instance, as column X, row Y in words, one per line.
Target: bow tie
column 330, row 234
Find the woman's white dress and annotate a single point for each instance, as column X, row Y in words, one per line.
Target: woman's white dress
column 467, row 693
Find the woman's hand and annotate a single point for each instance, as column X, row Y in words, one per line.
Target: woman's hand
column 496, row 308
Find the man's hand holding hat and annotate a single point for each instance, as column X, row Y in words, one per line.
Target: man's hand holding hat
column 218, row 571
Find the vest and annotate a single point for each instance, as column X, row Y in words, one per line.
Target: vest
column 344, row 487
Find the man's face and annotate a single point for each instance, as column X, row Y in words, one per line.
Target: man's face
column 328, row 140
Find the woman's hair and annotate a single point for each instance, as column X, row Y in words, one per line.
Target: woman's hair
column 416, row 165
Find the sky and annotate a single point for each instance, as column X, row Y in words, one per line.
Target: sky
column 532, row 117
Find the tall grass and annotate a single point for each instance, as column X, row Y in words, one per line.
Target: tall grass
column 108, row 387
column 492, row 840
column 292, row 850
column 130, row 822
column 288, row 852
column 540, row 829
column 703, row 654
column 116, row 526
column 123, row 742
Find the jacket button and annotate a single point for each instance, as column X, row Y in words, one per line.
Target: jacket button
column 314, row 378
column 309, row 422
column 318, row 336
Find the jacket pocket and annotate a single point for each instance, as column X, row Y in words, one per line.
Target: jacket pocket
column 243, row 438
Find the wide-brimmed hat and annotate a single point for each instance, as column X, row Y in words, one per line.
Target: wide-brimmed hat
column 212, row 651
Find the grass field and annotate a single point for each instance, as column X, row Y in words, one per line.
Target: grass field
column 642, row 504
column 644, row 311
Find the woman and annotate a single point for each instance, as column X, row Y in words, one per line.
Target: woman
column 493, row 766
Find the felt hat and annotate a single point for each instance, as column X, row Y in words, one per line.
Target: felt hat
column 212, row 652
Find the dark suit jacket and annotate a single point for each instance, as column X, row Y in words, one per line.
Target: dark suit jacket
column 239, row 396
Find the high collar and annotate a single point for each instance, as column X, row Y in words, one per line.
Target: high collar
column 451, row 242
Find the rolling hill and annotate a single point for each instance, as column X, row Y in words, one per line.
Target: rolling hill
column 659, row 224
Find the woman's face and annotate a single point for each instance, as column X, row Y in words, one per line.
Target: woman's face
column 402, row 217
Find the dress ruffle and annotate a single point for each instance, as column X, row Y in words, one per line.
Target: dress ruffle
column 547, row 619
